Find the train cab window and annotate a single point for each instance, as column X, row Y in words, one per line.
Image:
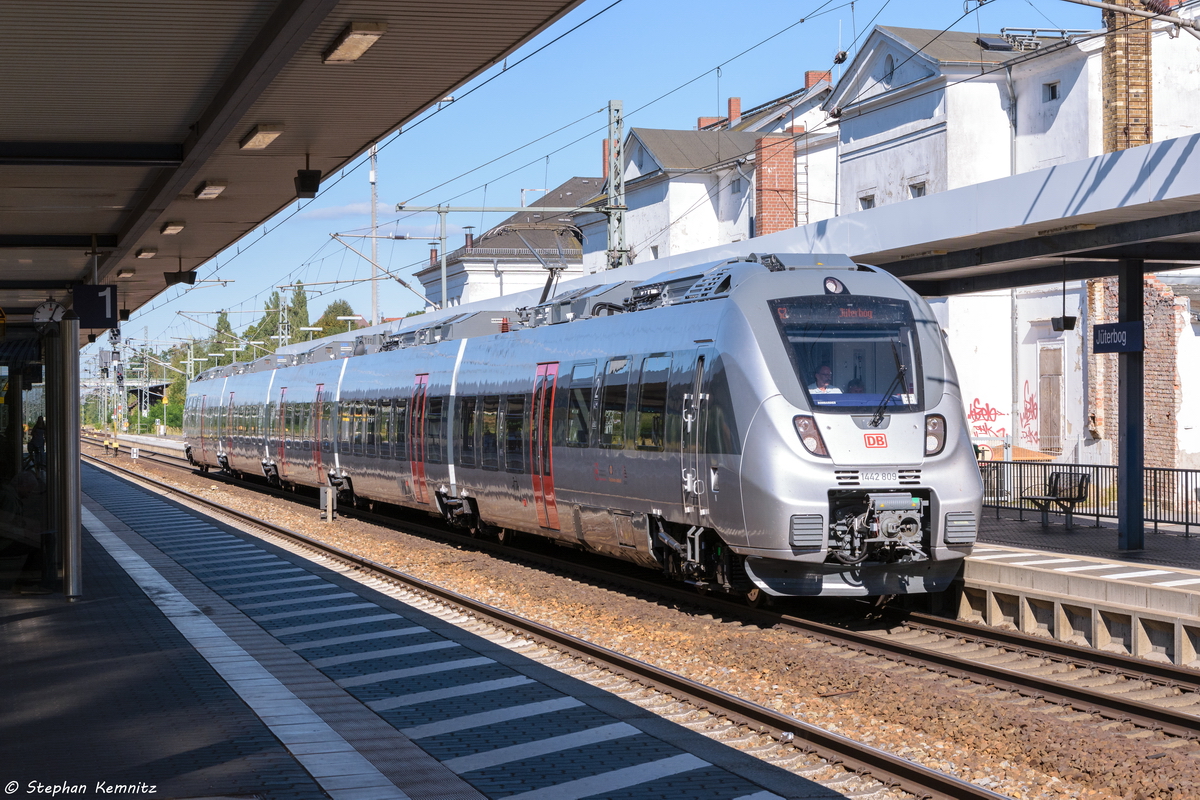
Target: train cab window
column 514, row 433
column 384, row 436
column 853, row 353
column 652, row 403
column 466, row 430
column 400, row 430
column 579, row 406
column 612, row 403
column 435, row 430
column 489, row 450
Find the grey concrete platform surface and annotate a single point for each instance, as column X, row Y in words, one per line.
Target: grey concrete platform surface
column 208, row 663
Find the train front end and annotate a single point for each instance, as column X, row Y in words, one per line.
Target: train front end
column 858, row 475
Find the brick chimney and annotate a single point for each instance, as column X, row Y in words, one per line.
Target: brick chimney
column 1126, row 80
column 605, row 156
column 704, row 122
column 774, row 184
column 735, row 111
column 814, row 76
column 433, row 259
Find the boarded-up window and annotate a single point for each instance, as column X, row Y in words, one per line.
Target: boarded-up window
column 1050, row 397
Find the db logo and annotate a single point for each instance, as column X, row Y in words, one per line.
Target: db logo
column 875, row 439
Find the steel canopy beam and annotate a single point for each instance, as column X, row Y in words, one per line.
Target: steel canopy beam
column 1131, row 235
column 91, row 154
column 1074, row 271
column 284, row 33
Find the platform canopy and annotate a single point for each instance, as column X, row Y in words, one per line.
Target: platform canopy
column 1077, row 220
column 121, row 119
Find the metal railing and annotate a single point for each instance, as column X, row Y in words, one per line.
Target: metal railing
column 1171, row 496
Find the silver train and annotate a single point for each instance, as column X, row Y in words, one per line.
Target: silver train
column 779, row 425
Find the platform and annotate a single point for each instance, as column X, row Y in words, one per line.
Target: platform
column 1077, row 586
column 204, row 662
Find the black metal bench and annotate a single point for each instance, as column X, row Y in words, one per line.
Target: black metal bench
column 1065, row 490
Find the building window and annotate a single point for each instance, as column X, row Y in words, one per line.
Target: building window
column 736, row 186
column 916, row 189
column 867, row 201
column 889, row 69
column 1050, row 398
column 1049, row 92
column 654, row 252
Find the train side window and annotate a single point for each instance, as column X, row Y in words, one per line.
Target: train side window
column 514, row 433
column 370, row 421
column 489, row 453
column 579, row 407
column 346, row 427
column 435, row 430
column 652, row 402
column 384, row 437
column 466, row 430
column 327, row 422
column 400, row 430
column 612, row 403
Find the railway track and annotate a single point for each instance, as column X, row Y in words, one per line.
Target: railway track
column 1111, row 686
column 784, row 740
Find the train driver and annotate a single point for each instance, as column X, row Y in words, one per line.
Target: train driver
column 822, row 381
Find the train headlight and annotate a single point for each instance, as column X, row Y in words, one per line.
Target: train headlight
column 810, row 436
column 935, row 434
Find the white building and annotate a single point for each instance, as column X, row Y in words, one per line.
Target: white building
column 499, row 262
column 691, row 189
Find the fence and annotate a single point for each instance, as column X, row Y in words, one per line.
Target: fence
column 1171, row 496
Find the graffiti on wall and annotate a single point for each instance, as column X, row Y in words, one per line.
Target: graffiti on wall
column 1029, row 416
column 981, row 415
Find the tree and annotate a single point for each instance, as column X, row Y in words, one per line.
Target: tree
column 329, row 322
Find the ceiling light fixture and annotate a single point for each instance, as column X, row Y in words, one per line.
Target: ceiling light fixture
column 354, row 40
column 147, row 252
column 126, row 272
column 261, row 136
column 210, row 190
column 172, row 228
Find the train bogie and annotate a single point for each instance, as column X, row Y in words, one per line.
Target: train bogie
column 683, row 433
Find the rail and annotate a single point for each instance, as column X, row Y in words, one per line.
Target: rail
column 1171, row 497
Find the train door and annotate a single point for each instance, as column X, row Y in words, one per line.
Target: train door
column 227, row 439
column 203, row 438
column 284, row 431
column 317, row 431
column 695, row 406
column 416, row 437
column 541, row 460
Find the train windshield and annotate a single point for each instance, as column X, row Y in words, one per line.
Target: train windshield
column 853, row 354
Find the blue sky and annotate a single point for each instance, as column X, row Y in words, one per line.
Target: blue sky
column 542, row 122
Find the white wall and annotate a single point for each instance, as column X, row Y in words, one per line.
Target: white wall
column 1053, row 132
column 1176, row 80
column 1187, row 361
column 977, row 129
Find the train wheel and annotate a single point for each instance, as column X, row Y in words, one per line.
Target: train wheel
column 756, row 597
column 506, row 536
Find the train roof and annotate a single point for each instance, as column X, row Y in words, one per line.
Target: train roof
column 692, row 284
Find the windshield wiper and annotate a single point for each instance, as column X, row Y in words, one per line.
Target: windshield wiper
column 901, row 369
